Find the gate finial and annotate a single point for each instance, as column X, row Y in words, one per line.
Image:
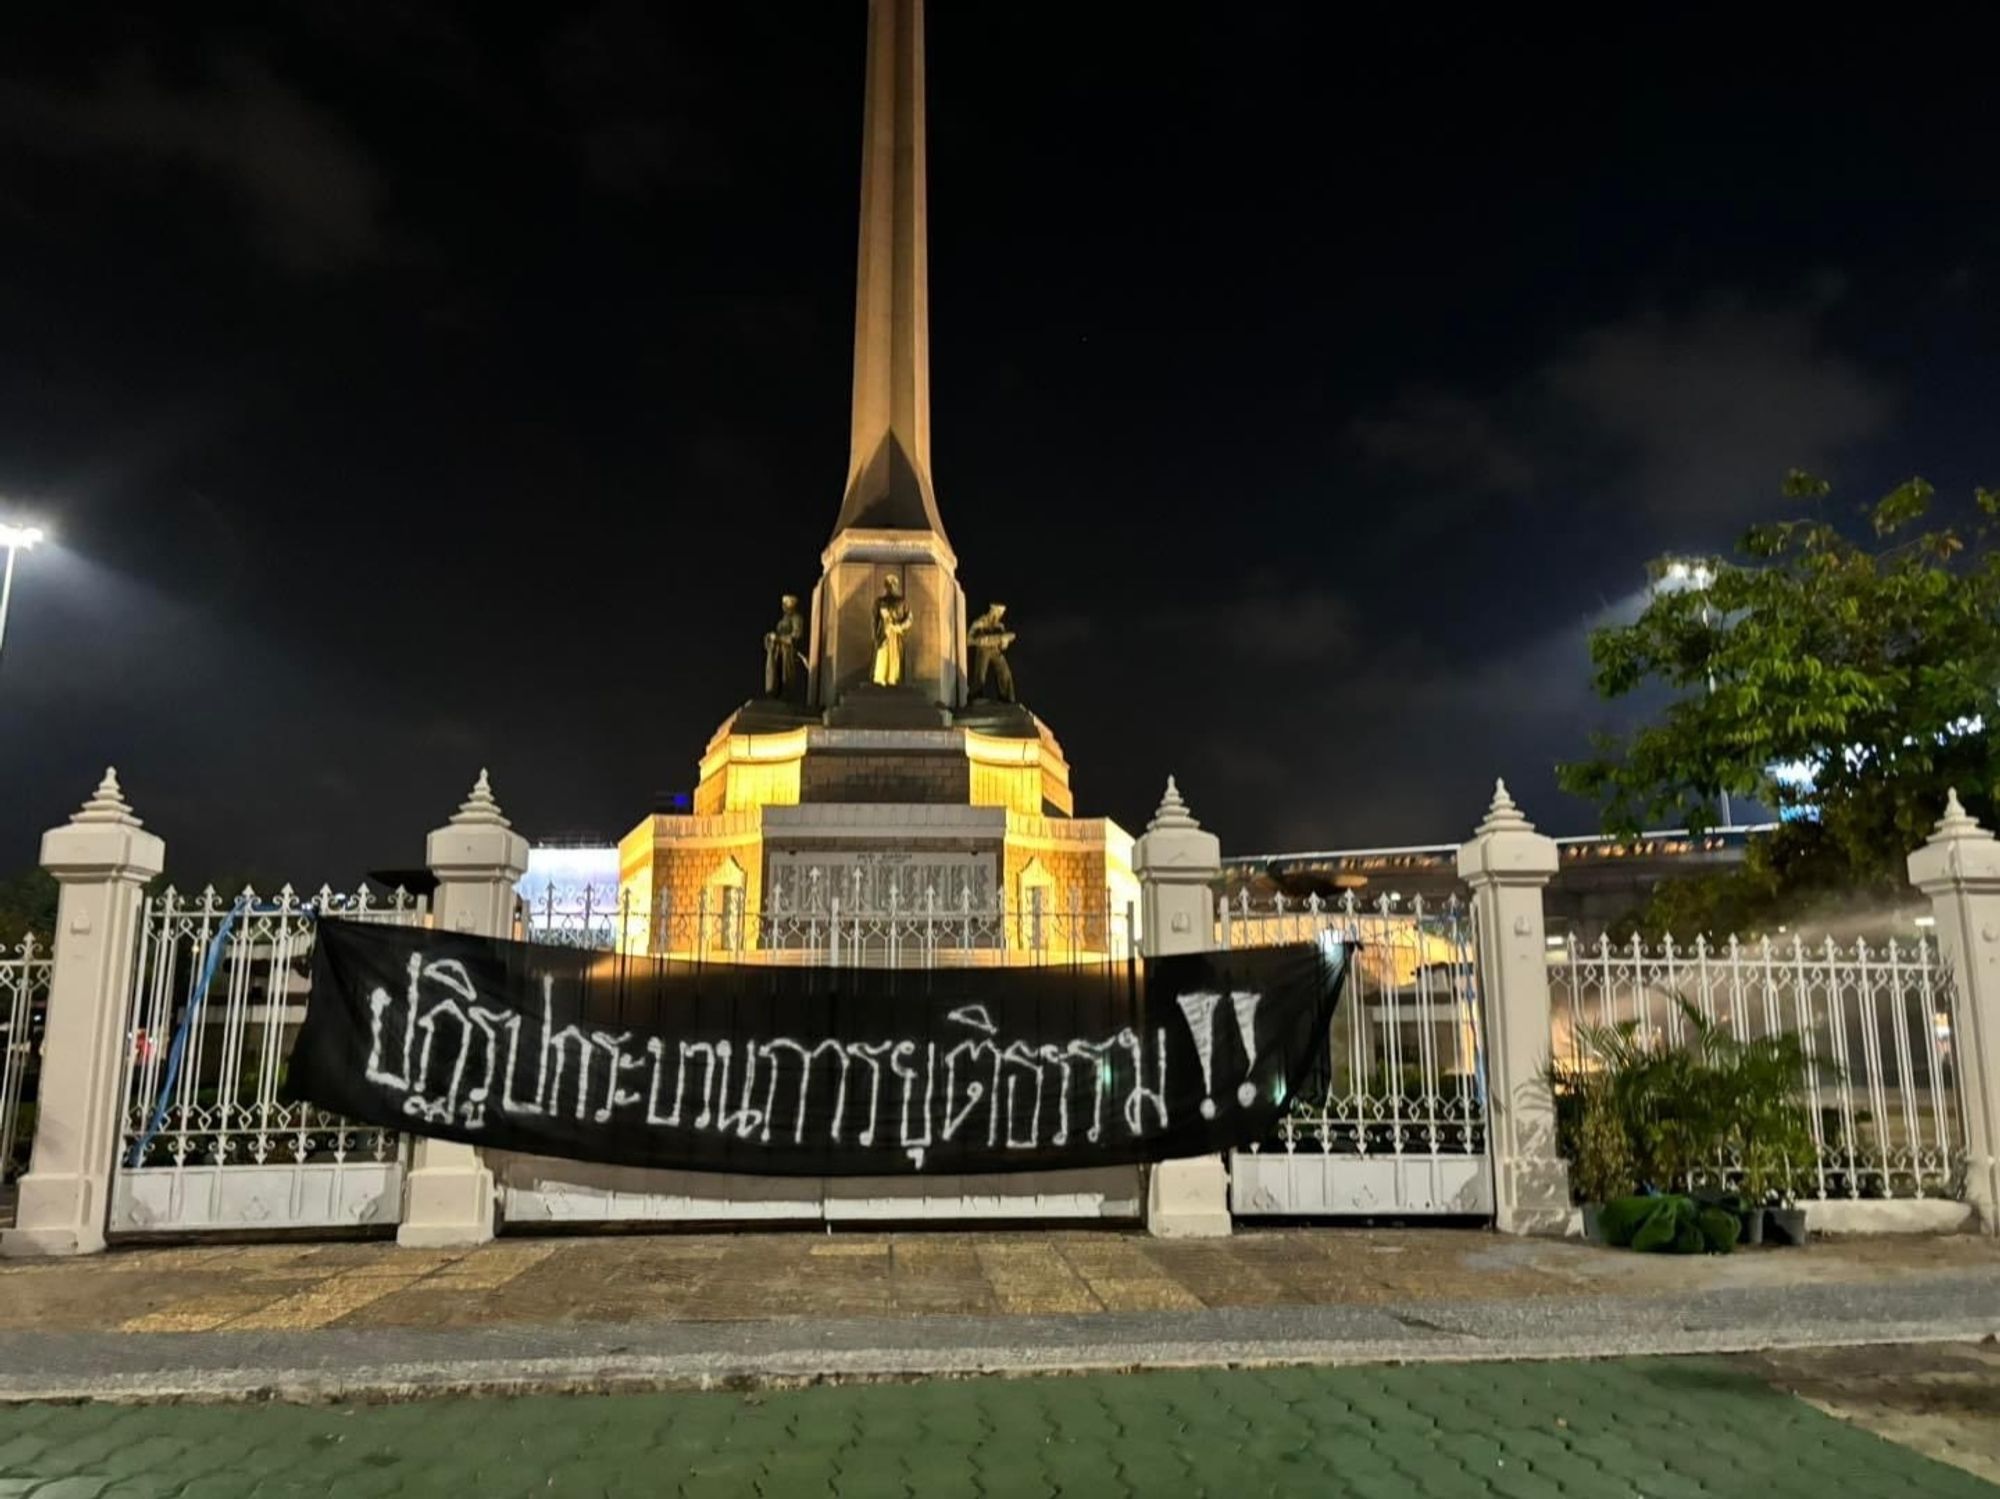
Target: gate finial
column 1503, row 816
column 1956, row 822
column 480, row 807
column 107, row 803
column 1173, row 812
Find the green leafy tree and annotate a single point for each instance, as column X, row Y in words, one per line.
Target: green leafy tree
column 1847, row 683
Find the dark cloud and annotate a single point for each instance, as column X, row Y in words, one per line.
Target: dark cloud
column 312, row 199
column 1689, row 417
column 1708, row 409
column 1438, row 435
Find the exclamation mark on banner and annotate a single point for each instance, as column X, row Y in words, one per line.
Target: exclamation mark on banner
column 1245, row 1005
column 1200, row 1011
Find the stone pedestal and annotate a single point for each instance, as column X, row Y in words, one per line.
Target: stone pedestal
column 1177, row 863
column 1507, row 863
column 478, row 859
column 102, row 859
column 866, row 706
column 1959, row 869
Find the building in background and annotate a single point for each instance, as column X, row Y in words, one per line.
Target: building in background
column 1600, row 882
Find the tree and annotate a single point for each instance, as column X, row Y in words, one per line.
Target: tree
column 27, row 905
column 1848, row 684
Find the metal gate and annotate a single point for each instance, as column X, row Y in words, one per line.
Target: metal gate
column 205, row 1142
column 1396, row 1125
column 854, row 928
column 24, row 1007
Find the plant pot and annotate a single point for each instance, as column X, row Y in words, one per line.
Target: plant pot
column 1593, row 1230
column 1753, row 1226
column 1785, row 1225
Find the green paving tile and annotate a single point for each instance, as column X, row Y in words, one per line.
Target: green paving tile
column 1669, row 1428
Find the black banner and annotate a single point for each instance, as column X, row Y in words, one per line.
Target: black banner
column 802, row 1070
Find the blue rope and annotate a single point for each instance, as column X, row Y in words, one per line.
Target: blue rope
column 210, row 962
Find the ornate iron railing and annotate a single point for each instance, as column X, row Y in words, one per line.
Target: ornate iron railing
column 924, row 930
column 1875, row 1022
column 24, row 999
column 1405, row 1073
column 220, row 1105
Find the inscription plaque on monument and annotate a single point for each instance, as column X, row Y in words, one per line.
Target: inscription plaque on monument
column 874, row 880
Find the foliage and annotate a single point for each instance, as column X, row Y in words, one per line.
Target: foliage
column 1871, row 668
column 1668, row 1224
column 1770, row 1132
column 27, row 905
column 1639, row 1109
column 1595, row 1142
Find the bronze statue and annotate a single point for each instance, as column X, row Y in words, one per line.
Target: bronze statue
column 784, row 651
column 892, row 623
column 989, row 639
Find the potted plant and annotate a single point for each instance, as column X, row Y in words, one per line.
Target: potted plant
column 1600, row 1153
column 1706, row 1116
column 1608, row 1121
column 1769, row 1131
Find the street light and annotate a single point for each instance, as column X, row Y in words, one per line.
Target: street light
column 1685, row 575
column 1695, row 576
column 15, row 539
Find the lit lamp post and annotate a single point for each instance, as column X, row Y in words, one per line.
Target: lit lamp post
column 1696, row 577
column 15, row 539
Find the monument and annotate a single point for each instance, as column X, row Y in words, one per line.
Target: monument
column 876, row 768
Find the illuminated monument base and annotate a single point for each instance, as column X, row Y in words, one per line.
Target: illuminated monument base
column 793, row 823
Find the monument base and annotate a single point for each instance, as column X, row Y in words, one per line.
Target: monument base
column 768, row 715
column 738, row 881
column 1001, row 720
column 872, row 707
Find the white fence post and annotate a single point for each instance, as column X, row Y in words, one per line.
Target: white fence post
column 1959, row 869
column 1507, row 863
column 478, row 859
column 102, row 859
column 1177, row 864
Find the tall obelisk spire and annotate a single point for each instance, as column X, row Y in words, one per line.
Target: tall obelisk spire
column 889, row 463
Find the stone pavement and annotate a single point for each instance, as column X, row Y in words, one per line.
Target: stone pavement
column 1943, row 1401
column 756, row 1276
column 1631, row 1427
column 329, row 1320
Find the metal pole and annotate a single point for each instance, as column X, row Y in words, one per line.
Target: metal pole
column 6, row 592
column 1727, row 820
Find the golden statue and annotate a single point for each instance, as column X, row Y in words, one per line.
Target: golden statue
column 892, row 623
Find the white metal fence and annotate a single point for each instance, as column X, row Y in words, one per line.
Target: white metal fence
column 1875, row 1023
column 852, row 929
column 24, row 1000
column 1396, row 1126
column 924, row 930
column 206, row 1139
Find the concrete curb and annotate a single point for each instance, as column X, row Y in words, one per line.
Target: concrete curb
column 381, row 1364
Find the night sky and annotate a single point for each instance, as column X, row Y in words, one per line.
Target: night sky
column 415, row 388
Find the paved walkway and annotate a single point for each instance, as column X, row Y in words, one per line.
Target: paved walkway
column 1275, row 1362
column 323, row 1321
column 755, row 1276
column 1635, row 1427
